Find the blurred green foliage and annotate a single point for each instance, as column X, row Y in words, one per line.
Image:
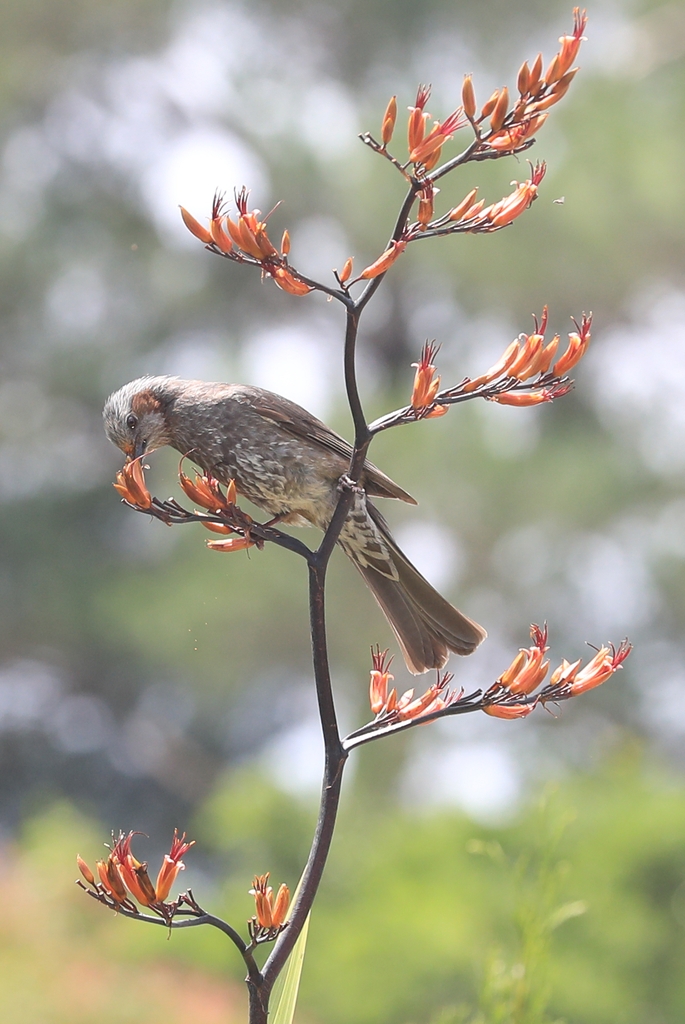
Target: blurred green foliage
column 575, row 911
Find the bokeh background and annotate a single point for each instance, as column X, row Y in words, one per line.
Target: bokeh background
column 499, row 872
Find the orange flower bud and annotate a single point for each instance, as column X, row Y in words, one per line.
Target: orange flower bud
column 520, row 399
column 417, row 119
column 389, row 119
column 280, row 907
column 500, row 368
column 429, row 701
column 535, row 75
column 489, row 105
column 233, row 544
column 287, row 282
column 219, row 236
column 205, row 491
column 384, row 262
column 467, row 202
column 473, row 211
column 530, row 350
column 515, row 135
column 499, row 111
column 425, row 211
column 510, row 674
column 285, row 243
column 136, row 879
column 557, row 93
column 565, row 672
column 546, row 356
column 234, row 231
column 248, row 242
column 85, row 870
column 195, row 227
column 468, row 97
column 523, row 78
column 509, row 711
column 111, row 880
column 218, row 528
column 554, row 72
column 346, row 271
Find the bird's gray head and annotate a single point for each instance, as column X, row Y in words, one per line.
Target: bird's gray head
column 135, row 415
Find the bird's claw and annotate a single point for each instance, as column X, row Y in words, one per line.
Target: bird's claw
column 345, row 483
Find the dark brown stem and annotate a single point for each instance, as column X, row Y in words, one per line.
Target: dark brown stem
column 335, row 758
column 253, row 972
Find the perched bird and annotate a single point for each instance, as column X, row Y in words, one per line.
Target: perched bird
column 289, row 463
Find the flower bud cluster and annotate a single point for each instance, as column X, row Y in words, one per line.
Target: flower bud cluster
column 472, row 216
column 270, row 911
column 130, row 483
column 529, row 669
column 386, row 704
column 530, row 358
column 121, row 879
column 511, row 129
column 245, row 239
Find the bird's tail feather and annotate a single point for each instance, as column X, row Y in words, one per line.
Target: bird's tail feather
column 426, row 625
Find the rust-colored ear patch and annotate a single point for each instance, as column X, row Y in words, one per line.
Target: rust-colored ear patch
column 144, row 402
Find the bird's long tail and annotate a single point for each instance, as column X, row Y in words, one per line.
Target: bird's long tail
column 426, row 625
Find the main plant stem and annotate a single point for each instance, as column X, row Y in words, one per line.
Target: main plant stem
column 335, row 754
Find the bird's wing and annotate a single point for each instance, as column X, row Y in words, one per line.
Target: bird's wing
column 301, row 424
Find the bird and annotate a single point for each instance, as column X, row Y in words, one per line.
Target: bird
column 290, row 464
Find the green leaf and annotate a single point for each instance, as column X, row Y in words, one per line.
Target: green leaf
column 284, row 995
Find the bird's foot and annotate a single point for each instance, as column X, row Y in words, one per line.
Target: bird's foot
column 345, row 483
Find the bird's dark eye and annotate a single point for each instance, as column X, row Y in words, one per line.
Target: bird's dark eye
column 132, row 421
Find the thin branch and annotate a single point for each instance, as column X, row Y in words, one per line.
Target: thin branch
column 456, row 395
column 173, row 514
column 200, row 917
column 318, row 286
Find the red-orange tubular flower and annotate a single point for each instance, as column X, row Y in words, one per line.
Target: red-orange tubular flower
column 426, row 384
column 232, row 544
column 130, row 483
column 578, row 343
column 401, row 709
column 380, row 677
column 439, row 134
column 269, row 912
column 172, row 864
column 523, row 400
column 575, row 681
column 508, row 209
column 384, row 261
column 206, row 491
column 416, row 127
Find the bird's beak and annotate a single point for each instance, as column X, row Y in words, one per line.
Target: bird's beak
column 139, row 449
